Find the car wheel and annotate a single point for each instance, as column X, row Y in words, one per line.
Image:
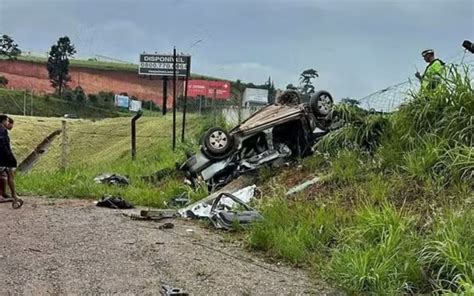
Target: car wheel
column 217, row 143
column 321, row 103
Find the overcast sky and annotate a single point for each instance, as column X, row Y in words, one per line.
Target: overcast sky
column 357, row 46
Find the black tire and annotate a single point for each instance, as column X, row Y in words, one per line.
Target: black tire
column 217, row 143
column 321, row 103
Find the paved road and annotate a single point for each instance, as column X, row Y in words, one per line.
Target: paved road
column 60, row 247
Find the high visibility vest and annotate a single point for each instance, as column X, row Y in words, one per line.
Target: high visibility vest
column 433, row 75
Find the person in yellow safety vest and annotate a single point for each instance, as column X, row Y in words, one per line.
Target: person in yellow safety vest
column 434, row 72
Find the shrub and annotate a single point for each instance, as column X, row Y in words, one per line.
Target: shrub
column 3, row 81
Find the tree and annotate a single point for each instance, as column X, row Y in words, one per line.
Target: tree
column 58, row 63
column 80, row 95
column 350, row 101
column 8, row 48
column 306, row 85
column 271, row 90
column 291, row 87
column 3, row 81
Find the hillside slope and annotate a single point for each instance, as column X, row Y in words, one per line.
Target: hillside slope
column 16, row 102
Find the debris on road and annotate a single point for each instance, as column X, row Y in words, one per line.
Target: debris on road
column 172, row 291
column 179, row 201
column 112, row 179
column 159, row 214
column 224, row 217
column 114, row 202
column 167, row 225
column 203, row 209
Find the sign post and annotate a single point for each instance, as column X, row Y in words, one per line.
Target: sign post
column 165, row 93
column 185, row 101
column 174, row 98
column 164, row 66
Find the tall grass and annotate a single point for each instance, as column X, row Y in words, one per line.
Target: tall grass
column 396, row 214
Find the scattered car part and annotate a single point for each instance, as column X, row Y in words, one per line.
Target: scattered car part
column 159, row 214
column 223, row 217
column 204, row 209
column 179, row 201
column 112, row 179
column 303, row 186
column 167, row 225
column 172, row 291
column 194, row 210
column 114, row 202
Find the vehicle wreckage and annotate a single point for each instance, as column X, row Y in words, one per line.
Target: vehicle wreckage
column 271, row 136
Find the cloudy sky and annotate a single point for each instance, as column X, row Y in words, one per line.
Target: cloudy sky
column 358, row 46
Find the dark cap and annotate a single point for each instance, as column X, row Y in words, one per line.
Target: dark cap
column 426, row 52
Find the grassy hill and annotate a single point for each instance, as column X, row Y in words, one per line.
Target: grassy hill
column 13, row 102
column 102, row 65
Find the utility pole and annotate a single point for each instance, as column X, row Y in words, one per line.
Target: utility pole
column 188, row 70
column 174, row 98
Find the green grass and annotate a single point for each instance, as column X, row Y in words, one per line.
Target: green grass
column 95, row 147
column 395, row 215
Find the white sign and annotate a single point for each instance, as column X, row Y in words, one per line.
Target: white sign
column 162, row 65
column 135, row 106
column 255, row 96
column 121, row 101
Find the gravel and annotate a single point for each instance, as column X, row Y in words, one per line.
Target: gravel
column 64, row 247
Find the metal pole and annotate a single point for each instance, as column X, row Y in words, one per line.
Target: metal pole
column 165, row 93
column 174, row 98
column 185, row 97
column 200, row 102
column 31, row 103
column 134, row 134
column 63, row 145
column 213, row 108
column 24, row 103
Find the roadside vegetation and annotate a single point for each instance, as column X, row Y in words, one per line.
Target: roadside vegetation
column 103, row 146
column 394, row 213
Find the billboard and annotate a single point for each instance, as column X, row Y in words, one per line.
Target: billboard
column 122, row 101
column 135, row 105
column 209, row 88
column 255, row 96
column 162, row 65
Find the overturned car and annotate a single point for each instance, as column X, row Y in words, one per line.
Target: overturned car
column 273, row 135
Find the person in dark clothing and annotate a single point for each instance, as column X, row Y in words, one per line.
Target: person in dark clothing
column 8, row 161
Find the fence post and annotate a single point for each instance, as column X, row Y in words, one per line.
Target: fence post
column 134, row 134
column 63, row 145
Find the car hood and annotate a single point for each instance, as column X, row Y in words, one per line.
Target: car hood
column 269, row 116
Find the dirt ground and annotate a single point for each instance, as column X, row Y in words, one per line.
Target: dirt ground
column 64, row 247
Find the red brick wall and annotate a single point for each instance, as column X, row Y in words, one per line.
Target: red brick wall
column 28, row 75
